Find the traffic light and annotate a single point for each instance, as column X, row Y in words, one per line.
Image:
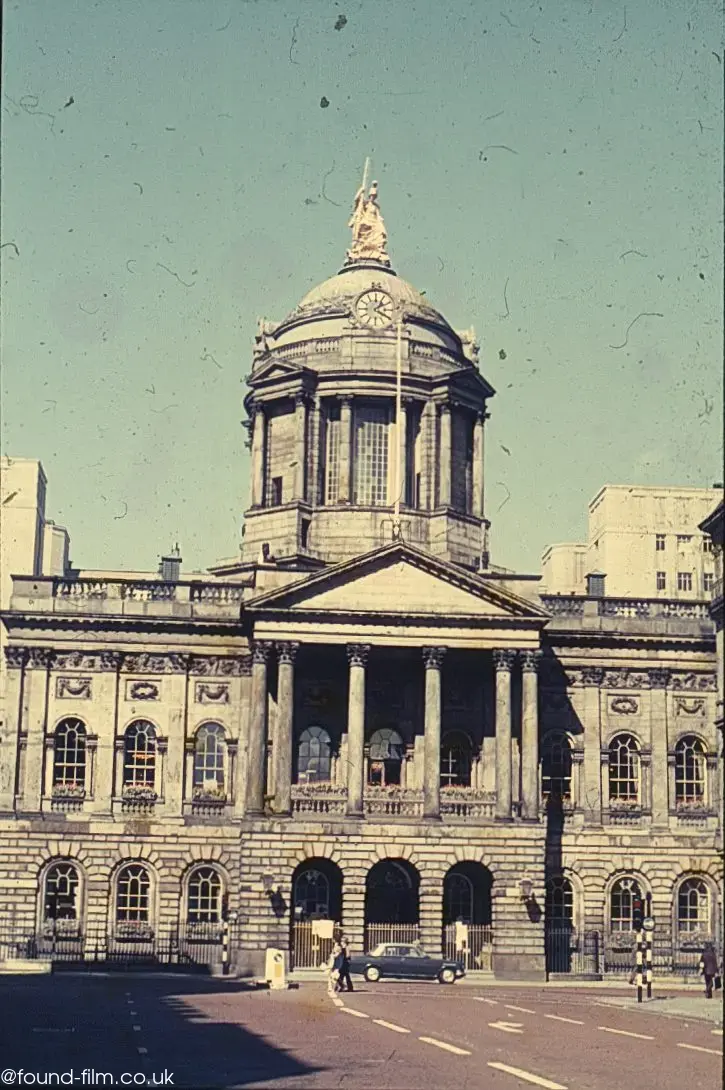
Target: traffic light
column 637, row 913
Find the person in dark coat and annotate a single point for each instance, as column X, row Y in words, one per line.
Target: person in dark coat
column 708, row 967
column 345, row 982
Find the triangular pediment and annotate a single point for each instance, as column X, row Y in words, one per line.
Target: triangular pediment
column 399, row 580
column 274, row 369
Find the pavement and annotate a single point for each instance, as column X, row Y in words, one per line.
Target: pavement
column 197, row 1032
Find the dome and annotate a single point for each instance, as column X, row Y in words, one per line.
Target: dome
column 336, row 297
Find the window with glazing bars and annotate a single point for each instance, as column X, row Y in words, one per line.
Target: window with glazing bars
column 556, row 767
column 69, row 755
column 133, row 894
column 624, row 892
column 623, row 769
column 139, row 755
column 205, row 896
column 690, row 768
column 209, row 756
column 332, row 455
column 61, row 892
column 371, row 455
column 693, row 906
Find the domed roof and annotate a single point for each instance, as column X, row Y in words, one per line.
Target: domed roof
column 337, row 295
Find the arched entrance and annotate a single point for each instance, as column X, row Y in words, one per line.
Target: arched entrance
column 467, row 917
column 391, row 903
column 316, row 907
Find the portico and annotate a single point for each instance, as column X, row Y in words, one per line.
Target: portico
column 434, row 694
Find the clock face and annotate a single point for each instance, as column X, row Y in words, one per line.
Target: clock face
column 374, row 309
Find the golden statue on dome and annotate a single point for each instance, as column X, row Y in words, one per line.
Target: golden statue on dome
column 369, row 237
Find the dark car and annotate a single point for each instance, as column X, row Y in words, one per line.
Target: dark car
column 404, row 961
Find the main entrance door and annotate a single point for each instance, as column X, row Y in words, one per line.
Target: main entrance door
column 391, row 903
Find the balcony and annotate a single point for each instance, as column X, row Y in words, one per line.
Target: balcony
column 457, row 803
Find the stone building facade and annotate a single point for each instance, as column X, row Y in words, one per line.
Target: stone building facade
column 360, row 719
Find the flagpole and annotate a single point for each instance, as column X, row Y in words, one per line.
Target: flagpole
column 398, row 430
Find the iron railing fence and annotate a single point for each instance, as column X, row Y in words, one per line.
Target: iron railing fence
column 308, row 948
column 375, row 933
column 668, row 959
column 473, row 945
column 571, row 951
column 187, row 946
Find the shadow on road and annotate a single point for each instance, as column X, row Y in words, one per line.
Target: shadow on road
column 192, row 1027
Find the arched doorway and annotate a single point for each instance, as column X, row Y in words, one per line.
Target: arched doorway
column 391, row 903
column 316, row 907
column 559, row 924
column 467, row 918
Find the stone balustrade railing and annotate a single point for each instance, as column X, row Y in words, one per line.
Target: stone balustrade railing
column 118, row 595
column 467, row 802
column 321, row 798
column 393, row 802
column 640, row 608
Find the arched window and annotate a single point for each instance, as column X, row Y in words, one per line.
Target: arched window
column 61, row 892
column 387, row 751
column 621, row 903
column 209, row 748
column 312, row 893
column 624, row 769
column 556, row 767
column 458, row 898
column 314, row 756
column 69, row 755
column 559, row 902
column 139, row 755
column 690, row 768
column 693, row 908
column 456, row 761
column 204, row 902
column 133, row 895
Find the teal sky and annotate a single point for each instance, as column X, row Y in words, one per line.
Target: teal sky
column 550, row 172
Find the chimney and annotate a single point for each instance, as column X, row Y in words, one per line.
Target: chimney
column 170, row 566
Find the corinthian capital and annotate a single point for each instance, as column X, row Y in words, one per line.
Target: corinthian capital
column 286, row 652
column 504, row 660
column 433, row 657
column 530, row 661
column 357, row 654
column 659, row 678
column 260, row 651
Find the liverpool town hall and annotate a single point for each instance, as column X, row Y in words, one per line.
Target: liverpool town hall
column 360, row 718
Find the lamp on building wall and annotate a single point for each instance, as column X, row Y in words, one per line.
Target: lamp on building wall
column 527, row 890
column 270, row 885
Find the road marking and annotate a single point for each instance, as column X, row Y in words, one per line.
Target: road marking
column 337, row 1002
column 507, row 1027
column 523, row 1010
column 445, row 1045
column 355, row 1014
column 491, row 1002
column 527, row 1076
column 699, row 1048
column 142, row 1051
column 137, row 1029
column 717, row 1032
column 558, row 1018
column 133, row 1013
column 390, row 1025
column 626, row 1033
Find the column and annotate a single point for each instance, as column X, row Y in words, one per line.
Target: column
column 258, row 437
column 14, row 661
column 503, row 662
column 478, row 466
column 357, row 656
column 35, row 715
column 530, row 736
column 257, row 744
column 592, row 678
column 286, row 653
column 300, row 489
column 106, row 690
column 433, row 659
column 344, row 492
column 444, row 460
column 402, row 496
column 658, row 680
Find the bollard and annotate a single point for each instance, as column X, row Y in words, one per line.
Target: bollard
column 225, row 947
column 648, row 939
column 639, row 966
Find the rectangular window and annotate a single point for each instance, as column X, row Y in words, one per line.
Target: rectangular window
column 332, row 456
column 275, row 492
column 661, row 580
column 371, row 455
column 684, row 539
column 660, row 543
column 708, row 580
column 707, row 545
column 684, row 580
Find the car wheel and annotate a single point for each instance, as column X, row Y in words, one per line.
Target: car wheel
column 372, row 974
column 447, row 976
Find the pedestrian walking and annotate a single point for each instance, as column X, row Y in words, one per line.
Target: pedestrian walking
column 345, row 982
column 334, row 967
column 708, row 968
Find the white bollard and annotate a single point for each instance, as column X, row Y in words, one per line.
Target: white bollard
column 274, row 969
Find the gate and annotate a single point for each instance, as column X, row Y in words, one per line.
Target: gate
column 309, row 949
column 375, row 933
column 473, row 945
column 568, row 952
